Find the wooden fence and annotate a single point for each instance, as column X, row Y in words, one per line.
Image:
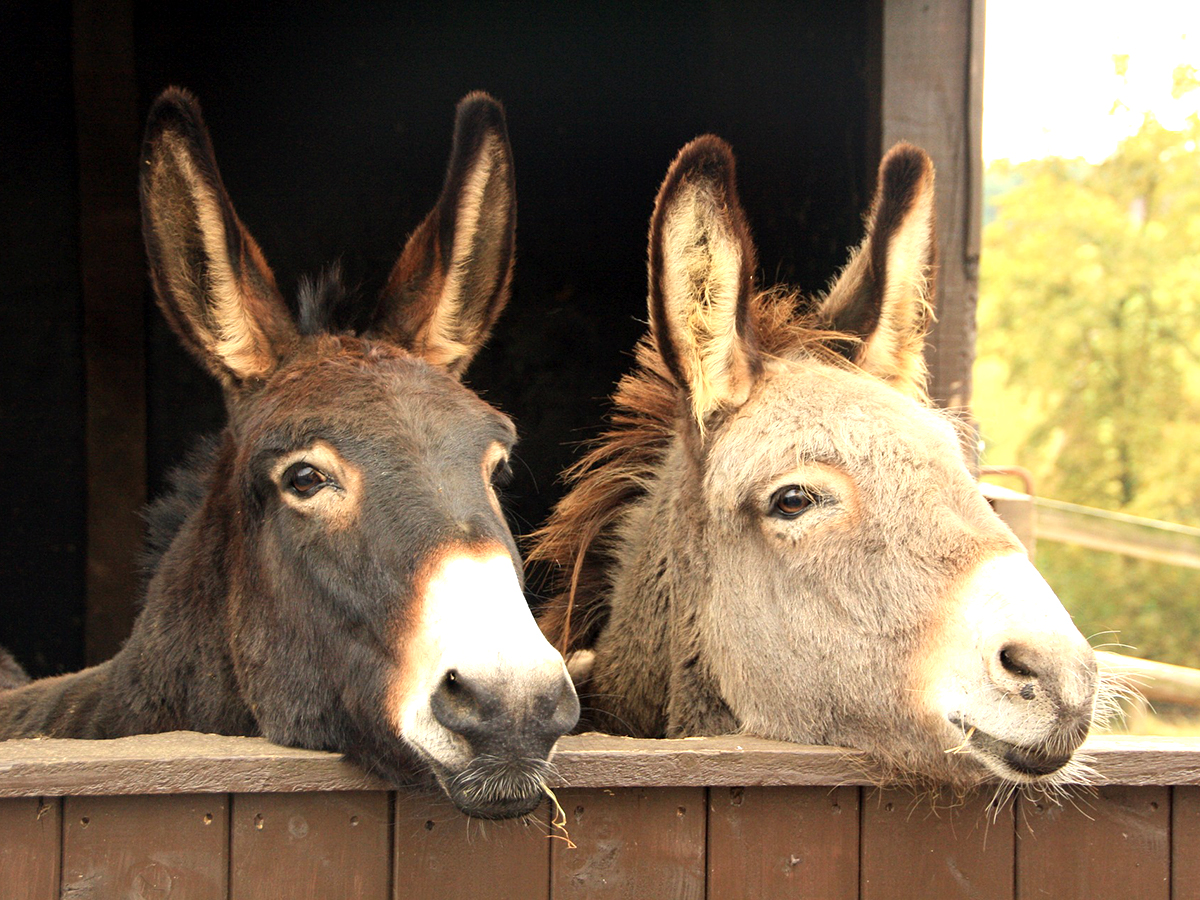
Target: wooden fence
column 184, row 816
column 1040, row 518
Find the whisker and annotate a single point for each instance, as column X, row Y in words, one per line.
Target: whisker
column 629, row 729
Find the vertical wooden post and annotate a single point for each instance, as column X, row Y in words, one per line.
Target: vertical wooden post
column 110, row 254
column 933, row 96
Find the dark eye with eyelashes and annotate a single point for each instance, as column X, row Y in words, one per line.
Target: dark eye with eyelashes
column 304, row 480
column 791, row 501
column 502, row 474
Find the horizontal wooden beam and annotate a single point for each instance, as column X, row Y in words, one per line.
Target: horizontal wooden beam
column 1097, row 529
column 176, row 762
column 185, row 762
column 1158, row 682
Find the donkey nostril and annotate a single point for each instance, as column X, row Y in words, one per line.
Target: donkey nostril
column 1016, row 662
column 462, row 704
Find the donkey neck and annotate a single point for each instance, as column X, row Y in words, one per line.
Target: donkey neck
column 649, row 678
column 72, row 706
column 176, row 670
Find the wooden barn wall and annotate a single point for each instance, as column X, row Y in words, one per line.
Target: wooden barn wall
column 42, row 524
column 332, row 127
column 194, row 816
column 682, row 843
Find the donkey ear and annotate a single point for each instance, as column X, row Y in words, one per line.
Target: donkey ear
column 702, row 263
column 455, row 274
column 211, row 280
column 882, row 297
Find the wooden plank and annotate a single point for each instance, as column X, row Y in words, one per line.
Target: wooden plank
column 783, row 843
column 596, row 760
column 1156, row 681
column 185, row 762
column 1134, row 760
column 327, row 845
column 1112, row 845
column 112, row 271
column 973, row 224
column 931, row 97
column 599, row 760
column 1185, row 842
column 641, row 842
column 177, row 762
column 1112, row 532
column 30, row 840
column 919, row 845
column 141, row 847
column 439, row 852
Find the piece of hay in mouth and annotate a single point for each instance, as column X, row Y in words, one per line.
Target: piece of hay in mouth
column 966, row 742
column 559, row 819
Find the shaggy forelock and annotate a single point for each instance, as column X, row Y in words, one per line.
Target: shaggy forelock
column 325, row 305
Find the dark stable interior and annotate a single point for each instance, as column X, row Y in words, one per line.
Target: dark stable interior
column 332, row 125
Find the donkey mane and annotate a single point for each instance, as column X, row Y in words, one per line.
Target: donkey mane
column 187, row 486
column 573, row 551
column 326, row 306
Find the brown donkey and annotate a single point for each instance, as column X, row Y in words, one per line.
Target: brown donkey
column 334, row 570
column 778, row 535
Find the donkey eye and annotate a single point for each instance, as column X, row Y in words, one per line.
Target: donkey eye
column 305, row 480
column 789, row 502
column 502, row 475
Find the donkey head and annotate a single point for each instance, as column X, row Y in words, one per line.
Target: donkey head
column 371, row 590
column 851, row 585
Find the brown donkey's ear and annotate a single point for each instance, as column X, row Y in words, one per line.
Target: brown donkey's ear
column 455, row 274
column 882, row 298
column 211, row 280
column 702, row 263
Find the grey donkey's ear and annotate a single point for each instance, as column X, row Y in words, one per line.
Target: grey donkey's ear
column 455, row 274
column 702, row 264
column 882, row 298
column 210, row 278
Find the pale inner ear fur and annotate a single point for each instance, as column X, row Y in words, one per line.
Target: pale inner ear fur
column 442, row 339
column 895, row 350
column 702, row 285
column 218, row 304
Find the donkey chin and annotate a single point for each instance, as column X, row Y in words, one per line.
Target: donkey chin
column 1014, row 681
column 492, row 780
column 496, row 786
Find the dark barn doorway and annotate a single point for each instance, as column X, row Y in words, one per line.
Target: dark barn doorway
column 332, row 124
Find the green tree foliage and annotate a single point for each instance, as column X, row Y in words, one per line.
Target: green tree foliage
column 1089, row 362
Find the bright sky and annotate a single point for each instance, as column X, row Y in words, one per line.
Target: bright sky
column 1049, row 82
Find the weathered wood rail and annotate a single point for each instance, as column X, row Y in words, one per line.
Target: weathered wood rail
column 185, row 816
